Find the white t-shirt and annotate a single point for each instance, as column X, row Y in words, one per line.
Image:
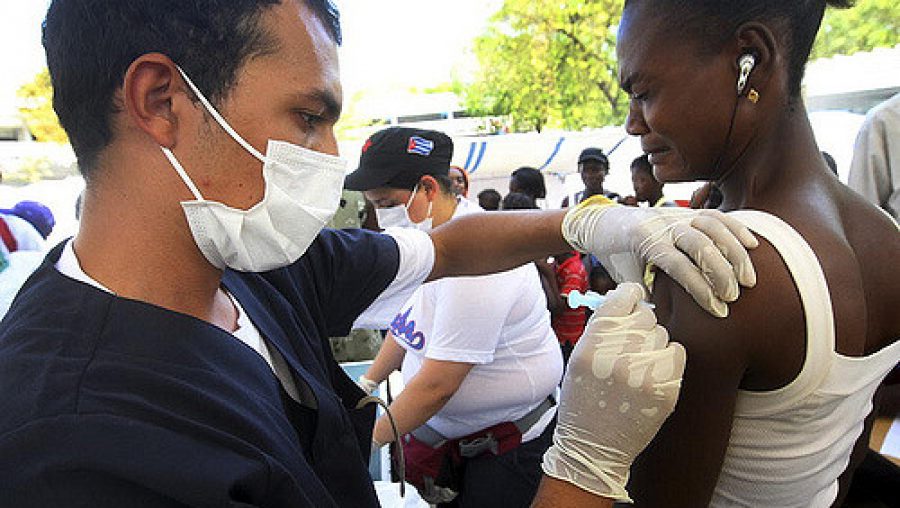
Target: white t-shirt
column 500, row 324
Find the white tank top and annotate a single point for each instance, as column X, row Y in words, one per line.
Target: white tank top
column 788, row 446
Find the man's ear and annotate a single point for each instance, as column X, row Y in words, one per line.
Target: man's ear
column 430, row 184
column 154, row 95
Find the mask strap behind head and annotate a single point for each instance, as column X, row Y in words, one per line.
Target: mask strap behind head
column 182, row 173
column 221, row 121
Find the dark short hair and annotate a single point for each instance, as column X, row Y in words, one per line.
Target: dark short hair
column 642, row 163
column 90, row 46
column 530, row 181
column 490, row 195
column 714, row 21
column 518, row 201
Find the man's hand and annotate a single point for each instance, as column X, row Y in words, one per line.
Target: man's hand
column 705, row 251
column 621, row 384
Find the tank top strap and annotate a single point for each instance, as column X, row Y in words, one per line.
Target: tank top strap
column 809, row 279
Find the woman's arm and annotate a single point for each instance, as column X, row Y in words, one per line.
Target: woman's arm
column 427, row 392
column 389, row 359
column 554, row 493
column 681, row 467
column 547, row 272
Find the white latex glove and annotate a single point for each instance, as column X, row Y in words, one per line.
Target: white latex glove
column 621, row 384
column 625, row 239
column 367, row 385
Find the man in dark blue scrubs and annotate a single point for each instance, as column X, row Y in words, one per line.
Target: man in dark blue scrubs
column 175, row 352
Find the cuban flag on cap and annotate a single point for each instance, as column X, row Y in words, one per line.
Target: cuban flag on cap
column 420, row 146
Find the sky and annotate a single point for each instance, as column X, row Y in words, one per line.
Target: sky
column 387, row 43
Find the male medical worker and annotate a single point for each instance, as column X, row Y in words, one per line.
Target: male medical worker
column 175, row 352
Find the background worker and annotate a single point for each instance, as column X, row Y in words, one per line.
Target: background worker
column 875, row 168
column 478, row 354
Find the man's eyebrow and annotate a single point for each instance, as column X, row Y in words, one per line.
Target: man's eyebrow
column 331, row 106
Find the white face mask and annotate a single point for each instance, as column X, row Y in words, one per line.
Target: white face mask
column 302, row 192
column 398, row 216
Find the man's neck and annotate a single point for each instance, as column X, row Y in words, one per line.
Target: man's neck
column 149, row 255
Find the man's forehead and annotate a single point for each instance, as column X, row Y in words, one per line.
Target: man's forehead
column 306, row 47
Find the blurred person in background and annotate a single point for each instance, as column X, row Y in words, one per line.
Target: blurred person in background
column 593, row 166
column 529, row 181
column 647, row 189
column 18, row 233
column 830, row 162
column 460, row 179
column 489, row 200
column 875, row 169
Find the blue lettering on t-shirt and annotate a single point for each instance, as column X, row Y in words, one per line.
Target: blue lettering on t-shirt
column 406, row 330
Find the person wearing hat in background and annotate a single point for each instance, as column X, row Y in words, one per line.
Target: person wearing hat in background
column 175, row 351
column 593, row 166
column 26, row 226
column 478, row 354
column 37, row 214
column 24, row 229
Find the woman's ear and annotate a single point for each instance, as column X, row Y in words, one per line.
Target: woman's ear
column 757, row 40
column 153, row 96
column 430, row 184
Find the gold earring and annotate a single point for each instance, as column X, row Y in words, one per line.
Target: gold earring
column 753, row 95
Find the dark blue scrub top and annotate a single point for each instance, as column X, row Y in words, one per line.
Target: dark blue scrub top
column 106, row 401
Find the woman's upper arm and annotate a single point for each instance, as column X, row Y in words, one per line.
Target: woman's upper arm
column 442, row 377
column 681, row 465
column 750, row 347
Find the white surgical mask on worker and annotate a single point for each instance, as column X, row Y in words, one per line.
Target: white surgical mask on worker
column 302, row 193
column 398, row 216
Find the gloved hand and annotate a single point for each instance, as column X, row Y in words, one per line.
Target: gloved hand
column 625, row 239
column 367, row 385
column 621, row 384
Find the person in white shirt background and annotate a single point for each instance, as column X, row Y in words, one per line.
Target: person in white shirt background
column 875, row 169
column 475, row 351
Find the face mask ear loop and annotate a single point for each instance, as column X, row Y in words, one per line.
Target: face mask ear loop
column 218, row 118
column 412, row 196
column 182, row 173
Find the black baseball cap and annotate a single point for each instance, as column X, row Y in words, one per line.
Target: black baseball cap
column 399, row 157
column 593, row 154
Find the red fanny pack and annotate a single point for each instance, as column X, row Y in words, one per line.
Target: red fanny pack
column 436, row 471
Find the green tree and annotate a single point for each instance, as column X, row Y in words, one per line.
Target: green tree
column 550, row 64
column 37, row 109
column 867, row 25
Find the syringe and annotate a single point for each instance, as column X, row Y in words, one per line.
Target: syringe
column 589, row 299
